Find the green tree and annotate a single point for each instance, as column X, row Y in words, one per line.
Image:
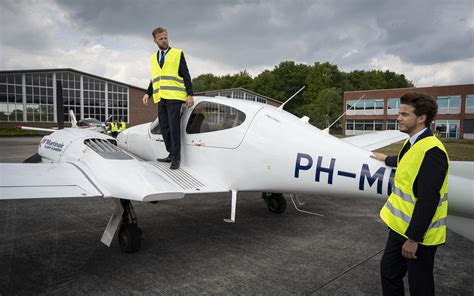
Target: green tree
column 204, row 82
column 242, row 79
column 324, row 109
column 264, row 83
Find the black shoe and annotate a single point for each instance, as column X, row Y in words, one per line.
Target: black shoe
column 166, row 159
column 174, row 165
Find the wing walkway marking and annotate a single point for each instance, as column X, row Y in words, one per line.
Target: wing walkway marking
column 182, row 178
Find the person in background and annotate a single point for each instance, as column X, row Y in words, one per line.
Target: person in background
column 123, row 126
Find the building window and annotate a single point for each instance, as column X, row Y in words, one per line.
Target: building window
column 378, row 125
column 379, row 106
column 359, row 108
column 261, row 100
column 350, row 107
column 369, row 107
column 71, row 84
column 447, row 129
column 11, row 98
column 468, row 129
column 238, row 94
column 449, row 104
column 349, row 127
column 393, row 106
column 392, row 125
column 470, row 104
column 365, row 107
column 117, row 101
column 359, row 127
column 94, row 98
column 250, row 97
column 227, row 94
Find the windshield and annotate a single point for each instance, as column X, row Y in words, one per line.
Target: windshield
column 89, row 122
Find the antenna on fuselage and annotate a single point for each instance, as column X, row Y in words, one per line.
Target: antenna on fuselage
column 326, row 130
column 281, row 106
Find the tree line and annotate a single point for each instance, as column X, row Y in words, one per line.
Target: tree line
column 321, row 100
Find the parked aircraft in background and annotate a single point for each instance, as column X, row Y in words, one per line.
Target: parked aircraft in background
column 92, row 124
column 228, row 145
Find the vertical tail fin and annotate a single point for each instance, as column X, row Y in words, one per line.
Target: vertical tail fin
column 73, row 118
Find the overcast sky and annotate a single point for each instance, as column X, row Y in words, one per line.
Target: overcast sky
column 430, row 41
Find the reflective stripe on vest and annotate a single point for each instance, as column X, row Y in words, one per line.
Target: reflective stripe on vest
column 408, row 198
column 398, row 209
column 166, row 81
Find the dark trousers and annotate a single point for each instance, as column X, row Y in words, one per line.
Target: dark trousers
column 394, row 267
column 169, row 115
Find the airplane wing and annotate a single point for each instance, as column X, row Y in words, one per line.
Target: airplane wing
column 40, row 180
column 145, row 181
column 376, row 140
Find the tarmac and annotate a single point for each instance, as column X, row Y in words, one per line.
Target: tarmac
column 51, row 246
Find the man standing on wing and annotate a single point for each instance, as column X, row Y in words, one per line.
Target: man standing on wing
column 170, row 87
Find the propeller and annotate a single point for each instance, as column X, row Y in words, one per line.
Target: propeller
column 59, row 104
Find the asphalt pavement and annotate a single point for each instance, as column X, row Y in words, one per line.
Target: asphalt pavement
column 52, row 247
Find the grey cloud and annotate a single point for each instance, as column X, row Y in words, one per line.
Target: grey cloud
column 23, row 27
column 245, row 34
column 429, row 32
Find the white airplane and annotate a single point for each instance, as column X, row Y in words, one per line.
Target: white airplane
column 228, row 145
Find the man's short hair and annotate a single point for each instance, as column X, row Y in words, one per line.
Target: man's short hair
column 423, row 104
column 158, row 31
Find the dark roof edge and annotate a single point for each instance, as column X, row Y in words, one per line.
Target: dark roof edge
column 414, row 87
column 238, row 88
column 71, row 70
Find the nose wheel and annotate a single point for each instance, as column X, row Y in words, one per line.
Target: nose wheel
column 276, row 202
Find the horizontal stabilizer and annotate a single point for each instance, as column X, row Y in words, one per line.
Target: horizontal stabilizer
column 376, row 140
column 38, row 129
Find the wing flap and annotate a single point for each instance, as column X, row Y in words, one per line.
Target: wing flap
column 376, row 140
column 40, row 180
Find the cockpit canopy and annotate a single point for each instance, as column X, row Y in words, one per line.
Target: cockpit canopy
column 208, row 117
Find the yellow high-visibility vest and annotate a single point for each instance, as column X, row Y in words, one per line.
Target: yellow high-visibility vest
column 166, row 81
column 113, row 127
column 123, row 126
column 398, row 209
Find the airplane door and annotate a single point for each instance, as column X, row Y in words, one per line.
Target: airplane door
column 218, row 125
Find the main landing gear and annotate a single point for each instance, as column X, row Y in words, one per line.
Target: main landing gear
column 130, row 235
column 276, row 202
column 124, row 219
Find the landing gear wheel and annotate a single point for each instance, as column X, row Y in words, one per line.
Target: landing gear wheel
column 275, row 201
column 130, row 238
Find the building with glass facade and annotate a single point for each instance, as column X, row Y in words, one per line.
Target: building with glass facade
column 378, row 110
column 29, row 96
